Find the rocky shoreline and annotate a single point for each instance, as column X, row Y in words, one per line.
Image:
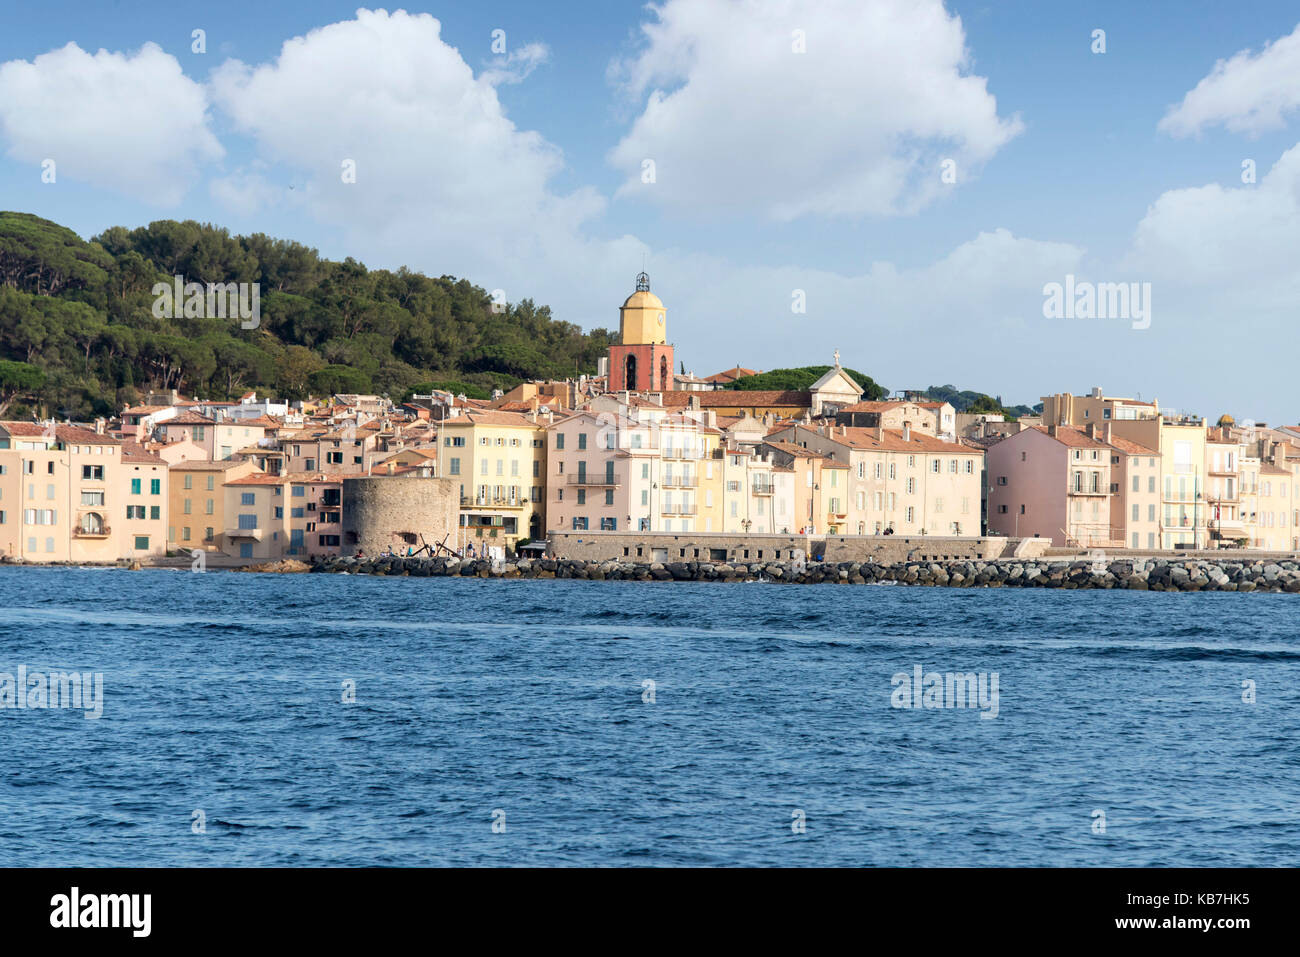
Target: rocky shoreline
column 1152, row 574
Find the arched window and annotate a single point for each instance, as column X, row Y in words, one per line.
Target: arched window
column 92, row 523
column 629, row 373
column 663, row 372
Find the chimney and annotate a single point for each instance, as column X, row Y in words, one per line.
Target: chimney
column 99, row 426
column 907, row 431
column 1108, row 433
column 1092, row 430
column 880, row 433
column 1051, row 429
column 844, row 430
column 391, row 467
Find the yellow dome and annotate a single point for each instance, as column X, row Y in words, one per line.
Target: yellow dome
column 643, row 299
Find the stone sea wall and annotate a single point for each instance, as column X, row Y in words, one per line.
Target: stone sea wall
column 1151, row 574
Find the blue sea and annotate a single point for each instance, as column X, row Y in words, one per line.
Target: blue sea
column 623, row 723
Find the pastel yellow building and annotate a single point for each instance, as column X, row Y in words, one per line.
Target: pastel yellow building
column 197, row 502
column 499, row 459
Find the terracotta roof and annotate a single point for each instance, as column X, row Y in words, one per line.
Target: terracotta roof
column 738, row 399
column 1132, row 448
column 135, row 452
column 1268, row 468
column 891, row 440
column 491, row 417
column 203, row 465
column 187, row 418
column 799, row 452
column 731, row 375
column 258, row 478
column 144, row 409
column 1072, row 437
column 79, row 436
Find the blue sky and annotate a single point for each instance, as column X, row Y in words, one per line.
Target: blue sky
column 776, row 171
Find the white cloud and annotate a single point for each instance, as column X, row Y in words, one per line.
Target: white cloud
column 444, row 180
column 134, row 124
column 1247, row 93
column 857, row 125
column 1233, row 247
column 517, row 65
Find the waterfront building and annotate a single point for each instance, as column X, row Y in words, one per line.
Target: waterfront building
column 498, row 460
column 1184, row 510
column 899, row 481
column 65, row 493
column 197, row 502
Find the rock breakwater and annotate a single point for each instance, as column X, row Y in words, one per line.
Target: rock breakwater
column 1153, row 574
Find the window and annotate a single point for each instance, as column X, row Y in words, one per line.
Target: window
column 135, row 511
column 208, row 507
column 155, row 486
column 135, row 484
column 247, row 498
column 559, row 443
column 212, row 478
column 299, row 491
column 582, row 496
column 609, row 524
column 455, row 466
column 155, row 512
column 91, row 473
column 910, row 513
column 579, row 524
column 248, row 522
column 142, row 543
column 92, row 498
column 935, row 466
column 609, row 496
column 185, row 534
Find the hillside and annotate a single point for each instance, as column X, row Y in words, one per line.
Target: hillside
column 79, row 337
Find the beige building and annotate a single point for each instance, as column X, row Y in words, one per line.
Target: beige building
column 1094, row 408
column 899, row 481
column 65, row 492
column 1184, row 510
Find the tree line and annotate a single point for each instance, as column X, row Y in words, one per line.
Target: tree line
column 79, row 336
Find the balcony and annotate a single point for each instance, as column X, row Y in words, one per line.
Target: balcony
column 102, row 532
column 594, row 481
column 678, row 509
column 244, row 534
column 1099, row 491
column 758, row 488
column 675, row 453
column 490, row 502
column 680, row 481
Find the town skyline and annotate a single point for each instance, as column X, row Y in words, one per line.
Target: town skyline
column 1177, row 139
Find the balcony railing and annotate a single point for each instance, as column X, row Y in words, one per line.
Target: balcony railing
column 680, row 481
column 252, row 534
column 489, row 501
column 760, row 488
column 102, row 532
column 1086, row 490
column 678, row 509
column 584, row 478
column 676, row 453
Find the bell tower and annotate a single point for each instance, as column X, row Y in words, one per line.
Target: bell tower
column 642, row 361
